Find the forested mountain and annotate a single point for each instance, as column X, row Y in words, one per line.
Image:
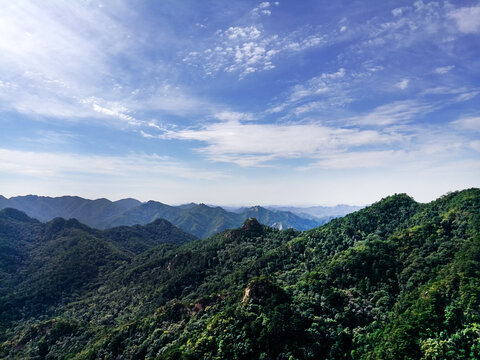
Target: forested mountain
column 43, row 265
column 395, row 280
column 203, row 221
column 91, row 212
column 200, row 220
column 197, row 219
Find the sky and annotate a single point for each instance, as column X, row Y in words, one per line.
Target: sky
column 239, row 102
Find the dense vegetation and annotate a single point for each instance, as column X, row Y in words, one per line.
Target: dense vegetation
column 396, row 280
column 199, row 220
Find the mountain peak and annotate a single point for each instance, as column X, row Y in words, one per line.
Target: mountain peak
column 15, row 214
column 256, row 208
column 252, row 227
column 57, row 225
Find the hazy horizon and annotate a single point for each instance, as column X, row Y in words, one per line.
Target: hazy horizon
column 225, row 205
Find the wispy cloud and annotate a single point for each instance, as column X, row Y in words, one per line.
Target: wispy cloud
column 248, row 144
column 394, row 113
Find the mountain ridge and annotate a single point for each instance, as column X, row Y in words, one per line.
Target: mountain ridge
column 198, row 219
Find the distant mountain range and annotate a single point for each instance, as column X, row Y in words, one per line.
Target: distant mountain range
column 198, row 219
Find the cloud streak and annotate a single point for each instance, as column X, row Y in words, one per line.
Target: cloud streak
column 398, row 112
column 55, row 165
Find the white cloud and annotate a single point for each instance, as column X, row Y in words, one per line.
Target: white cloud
column 254, row 144
column 339, row 74
column 403, row 84
column 248, row 49
column 397, row 12
column 444, row 69
column 147, row 135
column 467, row 19
column 264, row 8
column 237, row 32
column 468, row 123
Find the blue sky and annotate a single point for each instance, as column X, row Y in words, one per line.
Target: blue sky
column 239, row 102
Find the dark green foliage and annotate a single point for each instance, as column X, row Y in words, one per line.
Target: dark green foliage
column 44, row 265
column 396, row 280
